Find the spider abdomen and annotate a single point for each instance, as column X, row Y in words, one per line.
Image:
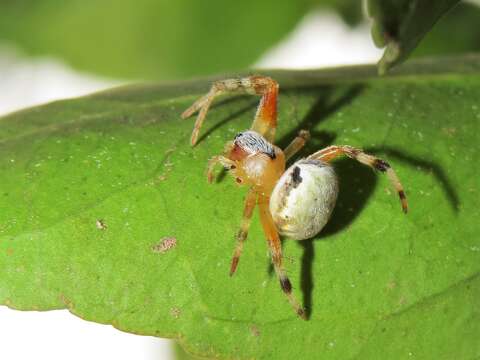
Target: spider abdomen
column 303, row 199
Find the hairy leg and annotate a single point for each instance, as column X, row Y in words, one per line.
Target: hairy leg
column 297, row 143
column 331, row 152
column 265, row 121
column 276, row 252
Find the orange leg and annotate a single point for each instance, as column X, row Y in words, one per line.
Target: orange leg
column 265, row 121
column 331, row 152
column 276, row 251
column 250, row 202
column 297, row 143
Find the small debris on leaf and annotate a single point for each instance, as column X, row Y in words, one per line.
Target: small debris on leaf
column 101, row 224
column 165, row 245
column 175, row 312
column 255, row 331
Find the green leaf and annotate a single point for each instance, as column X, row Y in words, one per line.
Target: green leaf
column 91, row 188
column 147, row 38
column 399, row 25
column 157, row 39
column 464, row 18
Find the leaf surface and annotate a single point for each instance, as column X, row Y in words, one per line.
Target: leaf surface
column 92, row 187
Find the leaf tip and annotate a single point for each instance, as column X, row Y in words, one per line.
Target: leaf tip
column 390, row 57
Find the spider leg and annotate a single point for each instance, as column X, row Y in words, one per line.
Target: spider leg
column 276, row 252
column 331, row 152
column 250, row 202
column 296, row 144
column 226, row 162
column 265, row 121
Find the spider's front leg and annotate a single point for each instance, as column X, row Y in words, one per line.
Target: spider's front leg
column 250, row 202
column 275, row 246
column 265, row 121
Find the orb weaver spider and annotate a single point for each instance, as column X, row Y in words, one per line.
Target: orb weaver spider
column 296, row 202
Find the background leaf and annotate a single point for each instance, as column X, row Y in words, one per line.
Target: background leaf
column 170, row 40
column 148, row 38
column 456, row 32
column 399, row 25
column 374, row 281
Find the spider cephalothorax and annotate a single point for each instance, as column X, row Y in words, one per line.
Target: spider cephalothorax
column 296, row 202
column 257, row 162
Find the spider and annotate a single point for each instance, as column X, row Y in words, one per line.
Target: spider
column 296, row 202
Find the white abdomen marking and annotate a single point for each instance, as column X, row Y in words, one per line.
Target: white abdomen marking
column 303, row 199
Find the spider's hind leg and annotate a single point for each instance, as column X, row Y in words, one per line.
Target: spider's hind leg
column 331, row 152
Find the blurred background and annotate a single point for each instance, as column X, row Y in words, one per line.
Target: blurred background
column 51, row 50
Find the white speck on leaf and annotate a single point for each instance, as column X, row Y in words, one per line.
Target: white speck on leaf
column 100, row 223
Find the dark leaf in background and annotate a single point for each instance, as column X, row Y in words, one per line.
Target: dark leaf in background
column 350, row 10
column 456, row 32
column 92, row 189
column 399, row 25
